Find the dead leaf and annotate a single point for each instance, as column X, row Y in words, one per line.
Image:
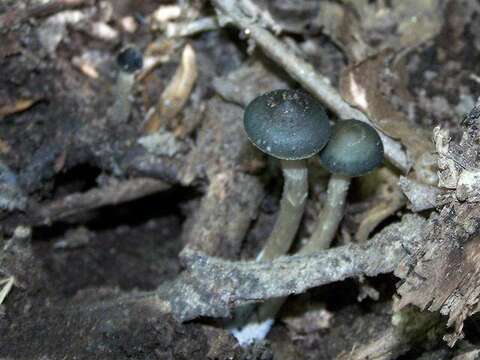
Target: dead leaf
column 18, row 106
column 390, row 200
column 402, row 24
column 342, row 24
column 177, row 91
column 85, row 67
column 361, row 85
column 166, row 13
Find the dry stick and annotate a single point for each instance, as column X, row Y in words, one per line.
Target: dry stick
column 304, row 73
column 218, row 285
column 77, row 203
column 212, row 287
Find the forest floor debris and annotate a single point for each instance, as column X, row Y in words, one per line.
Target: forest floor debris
column 120, row 235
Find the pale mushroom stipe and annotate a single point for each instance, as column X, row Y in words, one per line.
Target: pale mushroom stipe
column 354, row 149
column 129, row 61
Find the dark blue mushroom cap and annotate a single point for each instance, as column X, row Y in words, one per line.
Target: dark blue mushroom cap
column 287, row 124
column 354, row 149
column 130, row 59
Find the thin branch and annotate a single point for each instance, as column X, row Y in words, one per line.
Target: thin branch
column 212, row 286
column 114, row 194
column 304, row 73
column 184, row 29
column 220, row 284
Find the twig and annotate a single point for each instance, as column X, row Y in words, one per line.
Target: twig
column 304, row 73
column 215, row 285
column 16, row 16
column 111, row 195
column 183, row 29
column 212, row 287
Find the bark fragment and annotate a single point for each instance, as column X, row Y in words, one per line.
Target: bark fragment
column 446, row 276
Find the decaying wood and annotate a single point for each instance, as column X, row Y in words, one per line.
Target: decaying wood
column 232, row 198
column 219, row 225
column 220, row 144
column 408, row 327
column 446, row 276
column 421, row 196
column 458, row 164
column 437, row 259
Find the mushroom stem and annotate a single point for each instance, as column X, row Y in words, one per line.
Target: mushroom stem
column 330, row 216
column 327, row 224
column 292, row 204
column 122, row 105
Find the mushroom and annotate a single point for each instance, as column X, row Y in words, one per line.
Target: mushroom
column 354, row 149
column 129, row 61
column 292, row 126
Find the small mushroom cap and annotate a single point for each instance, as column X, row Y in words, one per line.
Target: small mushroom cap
column 287, row 124
column 353, row 150
column 130, row 59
